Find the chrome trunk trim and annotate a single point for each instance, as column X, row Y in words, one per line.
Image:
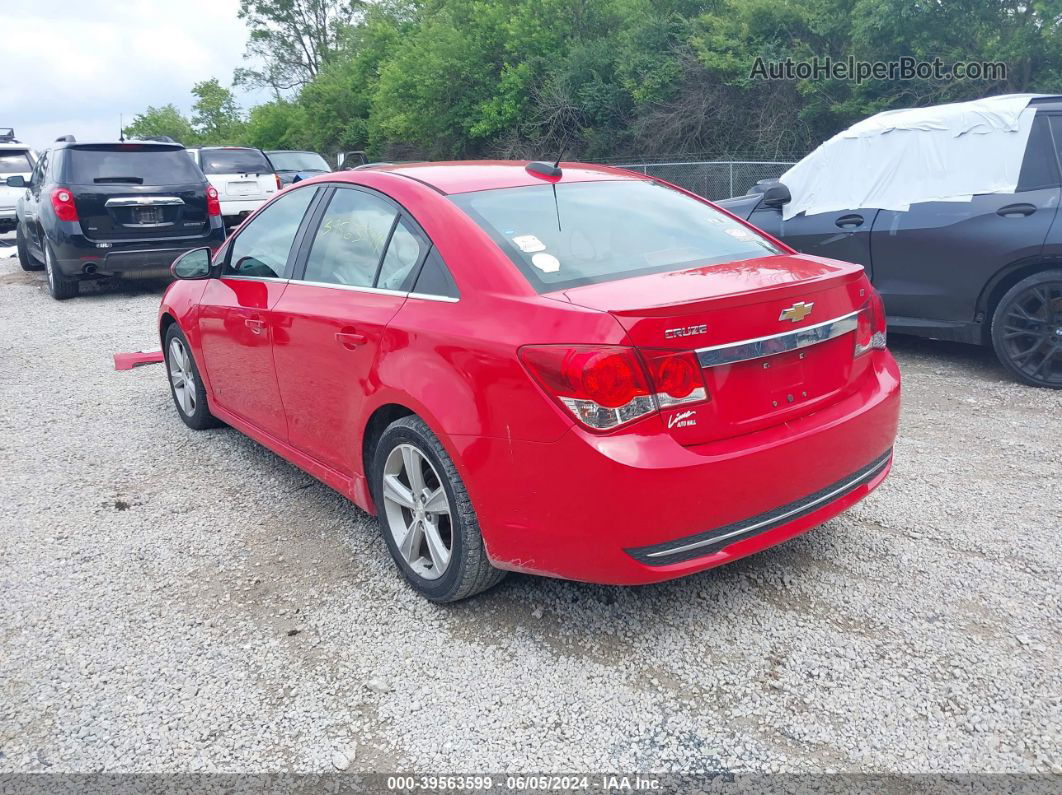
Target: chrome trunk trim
column 757, row 348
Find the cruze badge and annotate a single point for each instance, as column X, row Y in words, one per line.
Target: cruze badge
column 687, row 331
column 797, row 311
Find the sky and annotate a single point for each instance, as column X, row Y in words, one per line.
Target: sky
column 72, row 67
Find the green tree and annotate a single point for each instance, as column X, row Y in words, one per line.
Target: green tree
column 164, row 120
column 215, row 114
column 293, row 39
column 277, row 125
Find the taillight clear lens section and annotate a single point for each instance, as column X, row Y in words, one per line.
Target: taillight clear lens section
column 63, row 204
column 606, row 386
column 676, row 377
column 870, row 330
column 213, row 203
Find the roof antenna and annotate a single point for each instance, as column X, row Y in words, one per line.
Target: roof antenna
column 121, row 129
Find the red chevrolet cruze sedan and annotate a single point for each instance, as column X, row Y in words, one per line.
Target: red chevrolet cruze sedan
column 578, row 372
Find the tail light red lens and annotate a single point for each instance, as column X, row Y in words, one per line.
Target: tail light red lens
column 280, row 185
column 606, row 386
column 676, row 377
column 63, row 204
column 213, row 204
column 870, row 330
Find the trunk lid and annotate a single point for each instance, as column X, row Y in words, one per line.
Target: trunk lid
column 133, row 212
column 774, row 336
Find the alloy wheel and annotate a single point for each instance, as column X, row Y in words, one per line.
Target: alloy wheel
column 417, row 511
column 182, row 377
column 1032, row 333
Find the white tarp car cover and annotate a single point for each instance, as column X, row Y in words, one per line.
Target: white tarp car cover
column 897, row 158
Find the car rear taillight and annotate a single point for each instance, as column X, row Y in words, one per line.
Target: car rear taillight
column 280, row 185
column 870, row 329
column 63, row 204
column 676, row 377
column 213, row 205
column 606, row 386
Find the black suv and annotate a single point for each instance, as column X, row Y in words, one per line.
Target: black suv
column 98, row 209
column 987, row 271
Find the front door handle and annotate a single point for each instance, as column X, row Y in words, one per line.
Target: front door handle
column 350, row 339
column 255, row 326
column 1014, row 210
column 849, row 221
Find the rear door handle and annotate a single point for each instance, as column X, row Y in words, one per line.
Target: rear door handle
column 849, row 221
column 255, row 326
column 350, row 339
column 1013, row 210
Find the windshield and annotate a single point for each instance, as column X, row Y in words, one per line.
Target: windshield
column 602, row 231
column 132, row 164
column 297, row 161
column 234, row 161
column 15, row 162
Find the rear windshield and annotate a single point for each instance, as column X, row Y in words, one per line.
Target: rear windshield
column 132, row 164
column 15, row 162
column 601, row 231
column 234, row 161
column 298, row 161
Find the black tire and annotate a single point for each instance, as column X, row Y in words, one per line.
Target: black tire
column 198, row 417
column 469, row 571
column 61, row 287
column 25, row 258
column 1027, row 330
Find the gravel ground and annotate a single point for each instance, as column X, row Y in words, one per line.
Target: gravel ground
column 178, row 601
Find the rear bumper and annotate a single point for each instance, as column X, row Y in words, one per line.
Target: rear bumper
column 596, row 508
column 238, row 209
column 77, row 255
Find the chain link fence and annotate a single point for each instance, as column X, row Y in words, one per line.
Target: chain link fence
column 716, row 179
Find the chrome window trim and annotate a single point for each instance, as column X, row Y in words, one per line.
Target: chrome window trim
column 274, row 279
column 804, row 508
column 758, row 347
column 378, row 290
column 446, row 299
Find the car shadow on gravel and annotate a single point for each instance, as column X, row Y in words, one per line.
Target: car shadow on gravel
column 945, row 357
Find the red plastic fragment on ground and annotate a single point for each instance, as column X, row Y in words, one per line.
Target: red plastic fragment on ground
column 127, row 361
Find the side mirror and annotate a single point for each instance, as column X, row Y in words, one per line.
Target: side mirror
column 17, row 181
column 194, row 264
column 776, row 195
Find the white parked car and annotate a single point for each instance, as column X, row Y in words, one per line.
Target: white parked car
column 16, row 159
column 243, row 177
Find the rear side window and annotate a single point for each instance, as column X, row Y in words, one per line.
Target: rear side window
column 350, row 241
column 1039, row 169
column 591, row 232
column 234, row 161
column 130, row 164
column 434, row 278
column 15, row 162
column 262, row 246
column 403, row 254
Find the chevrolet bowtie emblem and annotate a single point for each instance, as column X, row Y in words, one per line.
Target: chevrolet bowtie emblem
column 797, row 311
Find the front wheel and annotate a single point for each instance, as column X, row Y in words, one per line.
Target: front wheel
column 189, row 394
column 426, row 515
column 1027, row 329
column 25, row 258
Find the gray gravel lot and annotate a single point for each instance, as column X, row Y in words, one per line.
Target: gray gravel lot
column 178, row 601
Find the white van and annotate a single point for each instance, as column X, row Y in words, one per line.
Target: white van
column 242, row 176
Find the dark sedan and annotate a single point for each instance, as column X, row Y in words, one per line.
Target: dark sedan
column 986, row 271
column 289, row 164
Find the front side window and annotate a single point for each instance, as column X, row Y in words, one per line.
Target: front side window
column 262, row 246
column 593, row 232
column 350, row 240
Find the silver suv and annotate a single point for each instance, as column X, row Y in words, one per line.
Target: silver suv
column 15, row 159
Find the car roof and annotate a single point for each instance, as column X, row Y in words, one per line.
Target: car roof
column 16, row 146
column 466, row 176
column 1047, row 102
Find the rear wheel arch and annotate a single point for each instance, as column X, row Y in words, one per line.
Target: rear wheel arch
column 1001, row 282
column 374, row 428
